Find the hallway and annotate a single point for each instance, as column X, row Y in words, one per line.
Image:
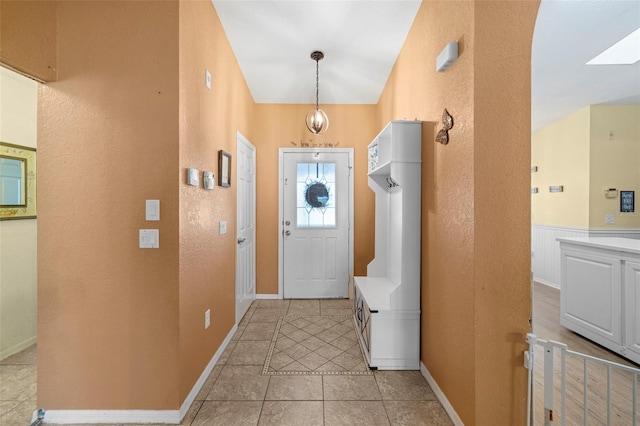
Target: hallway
column 237, row 393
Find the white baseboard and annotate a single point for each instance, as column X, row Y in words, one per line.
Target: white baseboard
column 547, row 283
column 17, row 348
column 268, row 296
column 137, row 416
column 72, row 417
column 441, row 396
column 205, row 374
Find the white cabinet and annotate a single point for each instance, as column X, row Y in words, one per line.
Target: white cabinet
column 590, row 297
column 600, row 291
column 632, row 308
column 387, row 300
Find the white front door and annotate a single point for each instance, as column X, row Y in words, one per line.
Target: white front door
column 315, row 223
column 245, row 226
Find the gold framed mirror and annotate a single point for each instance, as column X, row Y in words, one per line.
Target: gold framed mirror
column 17, row 182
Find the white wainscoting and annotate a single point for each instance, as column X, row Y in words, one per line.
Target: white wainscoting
column 545, row 249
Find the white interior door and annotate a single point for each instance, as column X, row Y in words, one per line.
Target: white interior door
column 245, row 226
column 315, row 225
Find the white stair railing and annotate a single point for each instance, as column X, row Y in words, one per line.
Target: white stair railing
column 589, row 390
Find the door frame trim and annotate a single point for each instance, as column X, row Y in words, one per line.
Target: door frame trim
column 281, row 152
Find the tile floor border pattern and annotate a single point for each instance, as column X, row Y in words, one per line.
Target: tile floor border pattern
column 276, row 334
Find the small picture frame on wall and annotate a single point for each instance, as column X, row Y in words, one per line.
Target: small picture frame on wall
column 627, row 201
column 224, row 169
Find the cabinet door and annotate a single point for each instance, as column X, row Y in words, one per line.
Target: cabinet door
column 359, row 306
column 590, row 296
column 366, row 328
column 632, row 308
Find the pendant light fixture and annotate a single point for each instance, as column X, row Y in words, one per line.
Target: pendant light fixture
column 317, row 121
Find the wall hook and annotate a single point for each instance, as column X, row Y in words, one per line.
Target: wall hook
column 447, row 124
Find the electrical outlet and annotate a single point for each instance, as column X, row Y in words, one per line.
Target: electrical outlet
column 207, row 319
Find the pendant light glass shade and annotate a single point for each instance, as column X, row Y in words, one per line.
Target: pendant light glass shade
column 317, row 121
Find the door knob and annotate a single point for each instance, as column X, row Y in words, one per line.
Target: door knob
column 241, row 240
column 287, row 232
column 287, row 223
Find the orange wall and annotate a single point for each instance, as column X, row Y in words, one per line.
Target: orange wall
column 282, row 126
column 502, row 240
column 416, row 90
column 108, row 134
column 476, row 203
column 209, row 120
column 28, row 37
column 130, row 101
column 129, row 114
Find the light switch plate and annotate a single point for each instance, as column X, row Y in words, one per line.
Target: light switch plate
column 193, row 177
column 153, row 210
column 207, row 318
column 223, row 227
column 609, row 219
column 149, row 238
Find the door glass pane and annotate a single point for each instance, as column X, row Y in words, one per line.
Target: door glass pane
column 315, row 195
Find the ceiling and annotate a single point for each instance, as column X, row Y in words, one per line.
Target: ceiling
column 273, row 41
column 361, row 39
column 569, row 33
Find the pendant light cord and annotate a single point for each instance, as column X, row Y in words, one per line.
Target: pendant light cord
column 317, row 84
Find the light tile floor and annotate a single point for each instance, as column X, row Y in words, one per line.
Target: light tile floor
column 237, row 393
column 314, row 344
column 18, row 387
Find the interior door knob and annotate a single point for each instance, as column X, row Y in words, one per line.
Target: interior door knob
column 287, row 223
column 287, row 232
column 241, row 240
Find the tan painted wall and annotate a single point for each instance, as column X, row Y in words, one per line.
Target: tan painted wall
column 28, row 37
column 562, row 154
column 415, row 90
column 209, row 120
column 502, row 240
column 108, row 140
column 614, row 163
column 115, row 315
column 18, row 274
column 275, row 126
column 476, row 210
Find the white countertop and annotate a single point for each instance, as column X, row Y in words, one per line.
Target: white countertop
column 627, row 245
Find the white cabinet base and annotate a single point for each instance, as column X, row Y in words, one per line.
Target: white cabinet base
column 600, row 292
column 390, row 338
column 590, row 295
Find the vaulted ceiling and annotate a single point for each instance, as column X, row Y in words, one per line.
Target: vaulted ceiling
column 361, row 40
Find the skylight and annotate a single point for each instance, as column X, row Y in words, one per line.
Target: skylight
column 624, row 52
